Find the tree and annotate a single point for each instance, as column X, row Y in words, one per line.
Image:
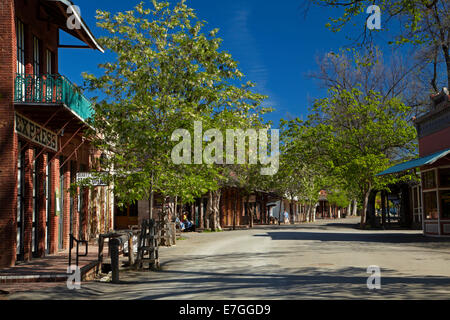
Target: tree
column 423, row 23
column 301, row 174
column 397, row 77
column 360, row 135
column 166, row 74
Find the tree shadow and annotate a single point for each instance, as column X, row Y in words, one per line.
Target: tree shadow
column 254, row 283
column 374, row 237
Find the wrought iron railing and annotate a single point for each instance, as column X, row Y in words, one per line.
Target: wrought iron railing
column 51, row 88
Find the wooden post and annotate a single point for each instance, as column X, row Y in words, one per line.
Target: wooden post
column 101, row 242
column 114, row 249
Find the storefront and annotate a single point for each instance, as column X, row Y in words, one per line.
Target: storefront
column 43, row 143
column 433, row 205
column 436, row 198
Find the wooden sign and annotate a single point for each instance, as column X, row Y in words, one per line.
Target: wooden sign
column 35, row 132
column 90, row 179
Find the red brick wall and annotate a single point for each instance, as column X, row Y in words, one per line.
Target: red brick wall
column 26, row 12
column 8, row 142
column 434, row 142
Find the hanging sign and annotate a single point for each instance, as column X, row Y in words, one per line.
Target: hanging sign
column 35, row 132
column 89, row 178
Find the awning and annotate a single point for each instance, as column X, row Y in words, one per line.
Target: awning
column 430, row 159
column 57, row 10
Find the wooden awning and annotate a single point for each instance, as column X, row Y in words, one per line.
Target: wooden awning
column 56, row 11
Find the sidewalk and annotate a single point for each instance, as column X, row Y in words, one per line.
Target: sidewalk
column 47, row 272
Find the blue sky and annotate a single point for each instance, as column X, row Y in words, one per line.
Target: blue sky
column 275, row 44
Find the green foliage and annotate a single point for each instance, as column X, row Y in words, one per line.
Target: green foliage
column 360, row 136
column 167, row 73
column 338, row 198
column 300, row 175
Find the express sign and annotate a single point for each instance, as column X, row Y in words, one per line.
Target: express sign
column 35, row 132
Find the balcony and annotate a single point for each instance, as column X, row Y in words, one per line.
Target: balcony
column 50, row 89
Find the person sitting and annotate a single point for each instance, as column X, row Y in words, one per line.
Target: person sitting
column 181, row 224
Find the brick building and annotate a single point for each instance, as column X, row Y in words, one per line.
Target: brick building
column 42, row 147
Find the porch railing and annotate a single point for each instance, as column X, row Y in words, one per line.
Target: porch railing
column 51, row 89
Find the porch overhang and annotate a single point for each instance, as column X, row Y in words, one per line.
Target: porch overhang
column 430, row 159
column 57, row 10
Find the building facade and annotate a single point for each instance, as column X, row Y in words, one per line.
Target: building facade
column 42, row 143
column 433, row 130
column 431, row 198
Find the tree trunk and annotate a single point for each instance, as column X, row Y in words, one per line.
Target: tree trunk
column 371, row 211
column 252, row 213
column 216, row 208
column 349, row 209
column 313, row 216
column 291, row 213
column 235, row 209
column 388, row 210
column 213, row 210
column 150, row 200
column 279, row 212
column 383, row 208
column 175, row 205
column 150, row 204
column 209, row 210
column 202, row 215
column 355, row 208
column 365, row 205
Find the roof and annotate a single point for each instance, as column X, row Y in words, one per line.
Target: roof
column 59, row 8
column 430, row 159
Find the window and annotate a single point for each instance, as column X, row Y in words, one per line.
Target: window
column 49, row 61
column 133, row 209
column 37, row 69
column 20, row 68
column 444, row 178
column 36, row 57
column 430, row 205
column 429, row 179
column 445, row 204
column 20, row 36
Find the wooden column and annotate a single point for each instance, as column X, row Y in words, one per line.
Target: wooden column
column 66, row 210
column 28, row 205
column 53, row 219
column 42, row 204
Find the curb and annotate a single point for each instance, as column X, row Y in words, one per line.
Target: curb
column 87, row 273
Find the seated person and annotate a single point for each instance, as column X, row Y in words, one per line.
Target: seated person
column 181, row 224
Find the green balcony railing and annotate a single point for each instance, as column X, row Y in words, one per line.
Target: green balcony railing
column 51, row 88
